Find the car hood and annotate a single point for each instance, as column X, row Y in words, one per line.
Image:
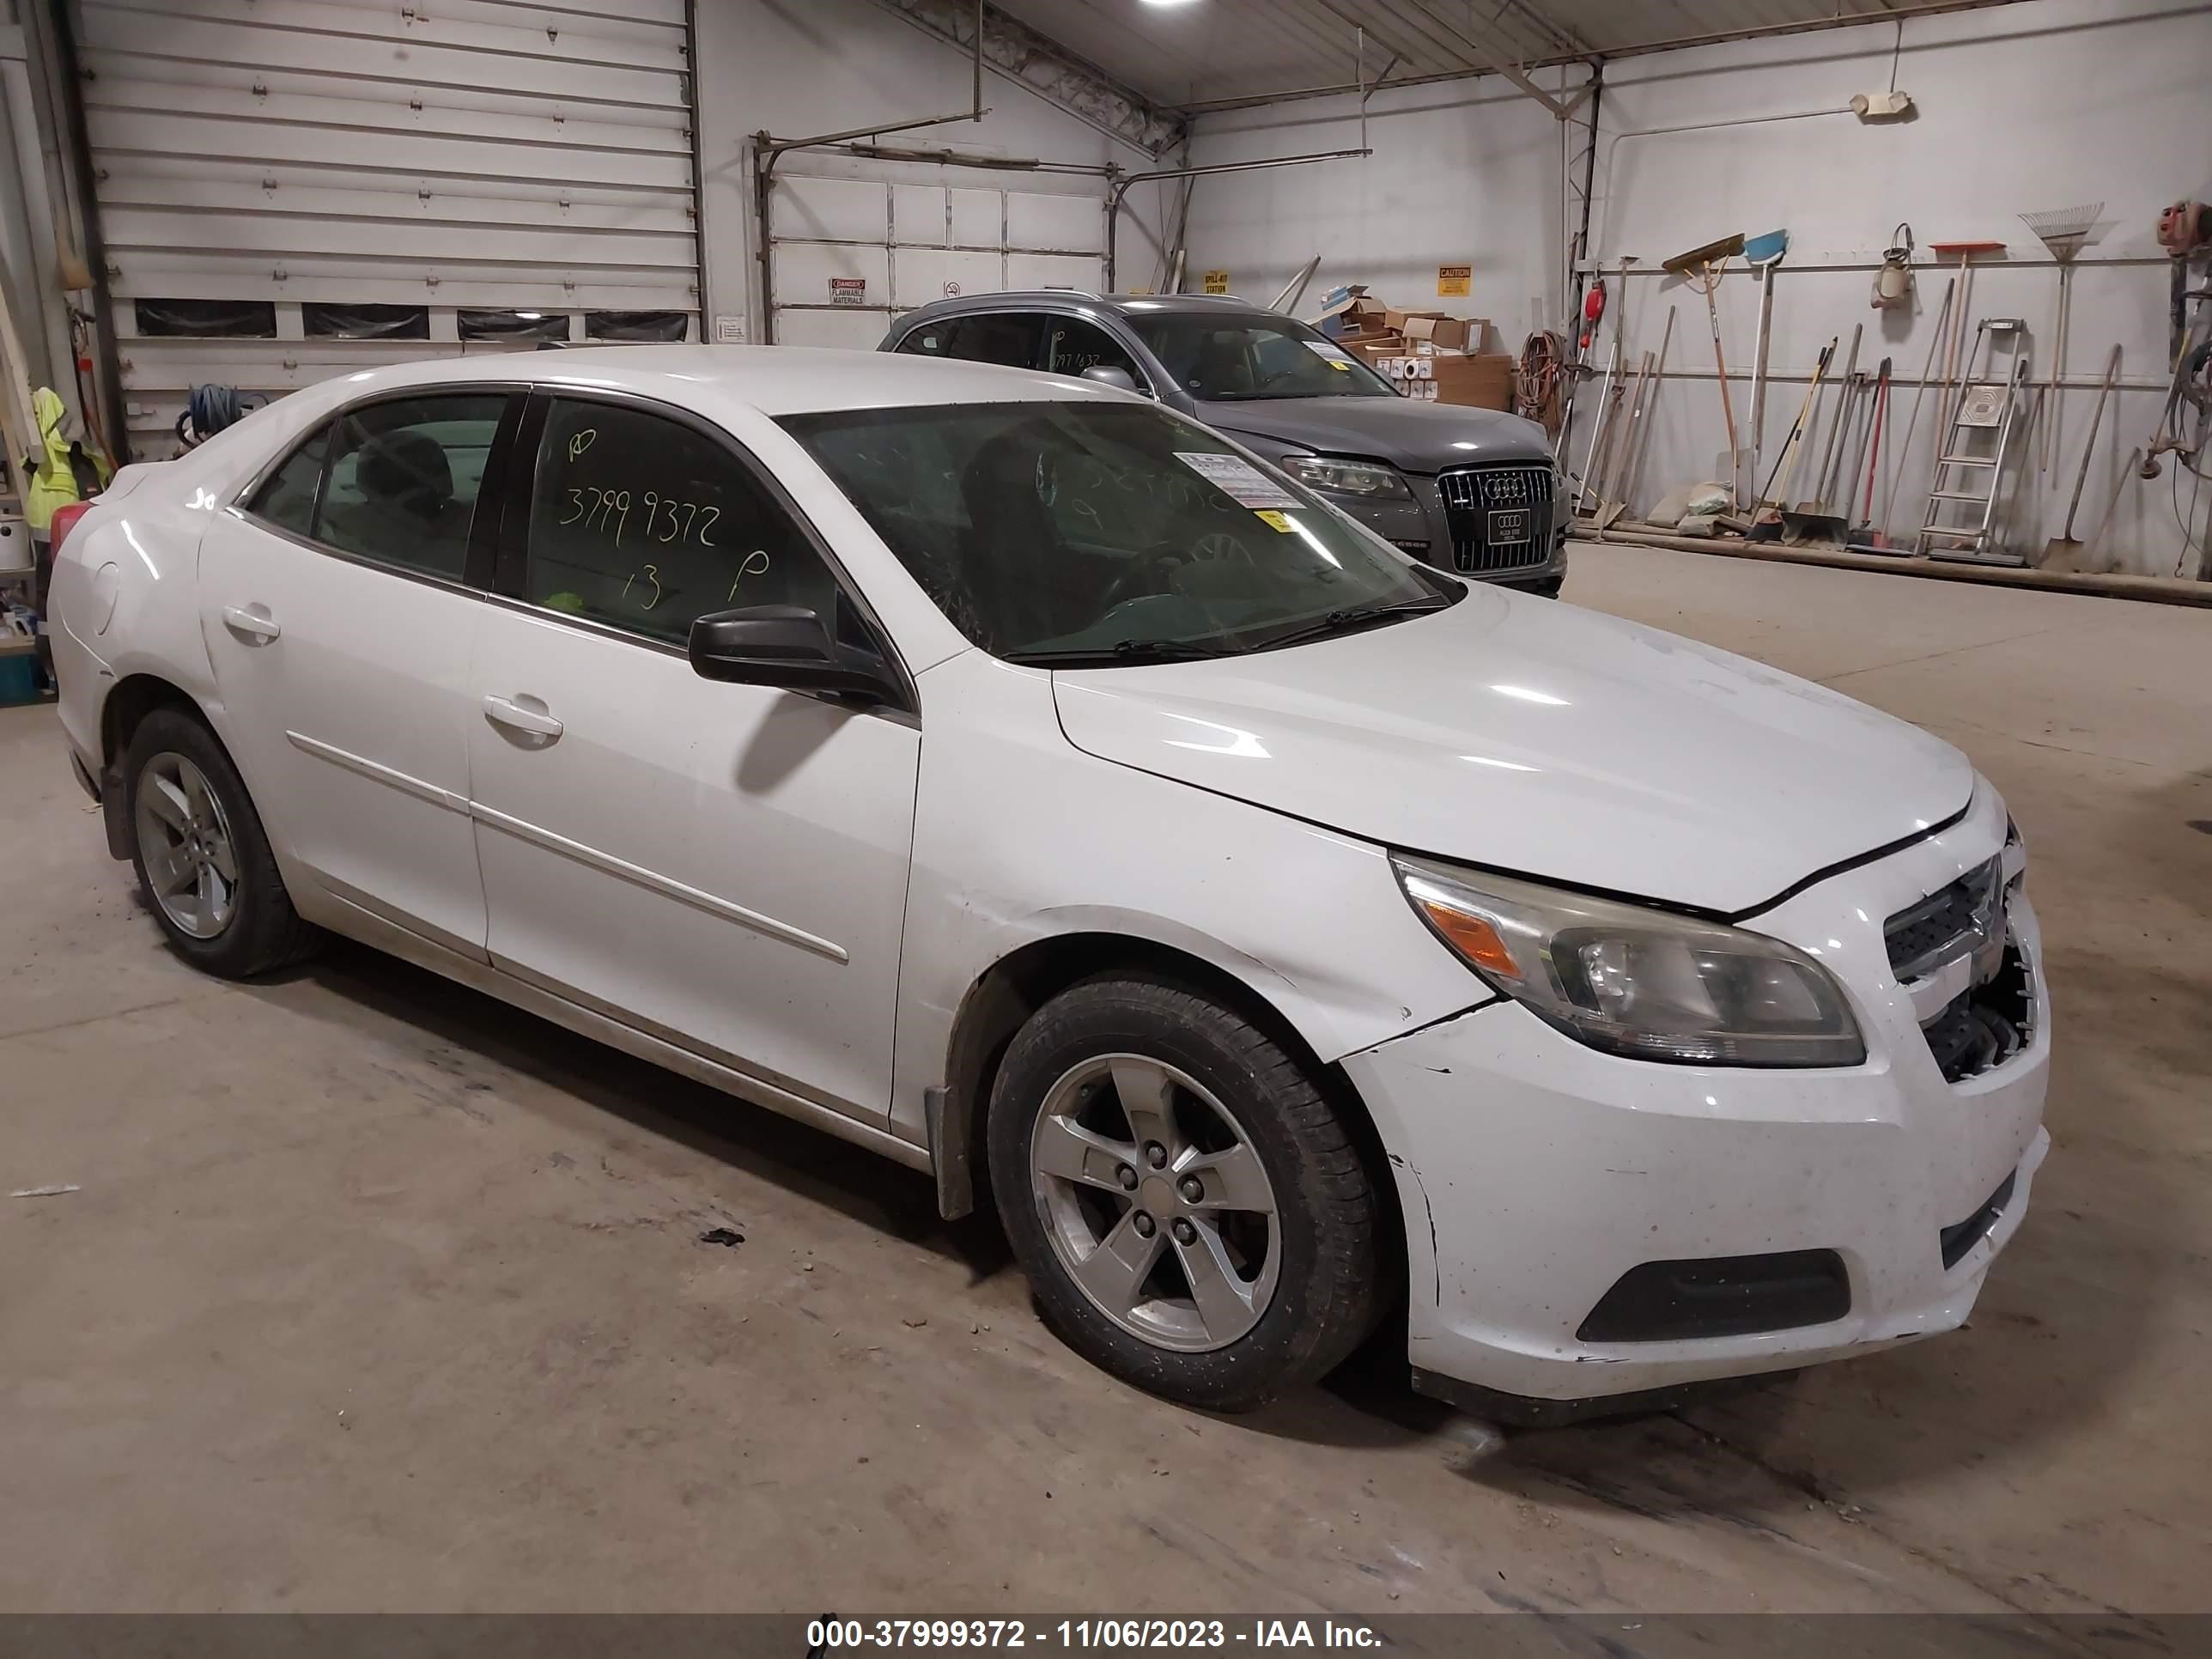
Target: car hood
column 1538, row 738
column 1420, row 437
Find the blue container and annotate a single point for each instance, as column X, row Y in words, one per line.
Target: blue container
column 18, row 676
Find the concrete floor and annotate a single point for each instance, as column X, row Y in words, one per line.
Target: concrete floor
column 379, row 1295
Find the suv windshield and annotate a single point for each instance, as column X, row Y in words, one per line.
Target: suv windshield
column 1077, row 533
column 1238, row 358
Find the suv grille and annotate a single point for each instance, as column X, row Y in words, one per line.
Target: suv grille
column 1500, row 516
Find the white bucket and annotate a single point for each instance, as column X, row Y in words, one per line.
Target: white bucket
column 16, row 551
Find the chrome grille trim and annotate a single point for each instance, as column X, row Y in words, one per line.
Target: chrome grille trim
column 1472, row 495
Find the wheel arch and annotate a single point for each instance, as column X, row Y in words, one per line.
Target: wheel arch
column 124, row 708
column 1002, row 997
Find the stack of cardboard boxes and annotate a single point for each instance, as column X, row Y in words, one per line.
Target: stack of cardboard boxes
column 1427, row 353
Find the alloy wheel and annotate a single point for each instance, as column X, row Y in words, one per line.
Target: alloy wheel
column 1155, row 1202
column 186, row 844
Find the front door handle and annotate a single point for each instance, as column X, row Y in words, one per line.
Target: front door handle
column 253, row 621
column 500, row 712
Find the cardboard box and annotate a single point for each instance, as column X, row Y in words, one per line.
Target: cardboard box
column 1376, row 349
column 1483, row 380
column 1433, row 329
column 1348, row 312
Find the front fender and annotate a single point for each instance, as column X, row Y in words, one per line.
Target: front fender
column 1021, row 836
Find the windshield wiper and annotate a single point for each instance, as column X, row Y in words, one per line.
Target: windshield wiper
column 1128, row 650
column 1352, row 620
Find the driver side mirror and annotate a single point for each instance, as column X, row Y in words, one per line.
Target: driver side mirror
column 788, row 646
column 1107, row 374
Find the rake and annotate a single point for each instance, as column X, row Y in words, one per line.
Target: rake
column 2063, row 231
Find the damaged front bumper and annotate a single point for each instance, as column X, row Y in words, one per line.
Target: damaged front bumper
column 1587, row 1231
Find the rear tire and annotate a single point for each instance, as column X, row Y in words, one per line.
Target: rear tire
column 202, row 857
column 1191, row 1212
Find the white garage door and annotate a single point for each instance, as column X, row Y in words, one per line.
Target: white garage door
column 292, row 188
column 846, row 255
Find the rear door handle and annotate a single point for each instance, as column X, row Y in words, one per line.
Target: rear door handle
column 254, row 622
column 500, row 712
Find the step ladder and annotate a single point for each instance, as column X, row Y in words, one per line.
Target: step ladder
column 1975, row 449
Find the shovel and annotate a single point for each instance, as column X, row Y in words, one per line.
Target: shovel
column 2059, row 552
column 1766, row 523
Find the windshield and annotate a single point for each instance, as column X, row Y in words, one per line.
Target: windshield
column 1070, row 532
column 1239, row 358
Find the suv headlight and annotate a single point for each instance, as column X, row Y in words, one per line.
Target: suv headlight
column 1364, row 479
column 1635, row 981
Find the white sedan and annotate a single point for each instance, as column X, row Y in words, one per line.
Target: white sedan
column 1011, row 775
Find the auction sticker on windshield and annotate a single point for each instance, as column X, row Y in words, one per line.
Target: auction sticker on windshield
column 1238, row 479
column 1332, row 355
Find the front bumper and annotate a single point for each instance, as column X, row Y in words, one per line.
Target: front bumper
column 1534, row 1172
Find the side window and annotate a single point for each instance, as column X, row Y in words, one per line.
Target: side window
column 644, row 523
column 1002, row 336
column 404, row 480
column 1072, row 346
column 287, row 496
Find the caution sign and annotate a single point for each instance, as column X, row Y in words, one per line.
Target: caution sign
column 1217, row 282
column 1454, row 280
column 848, row 290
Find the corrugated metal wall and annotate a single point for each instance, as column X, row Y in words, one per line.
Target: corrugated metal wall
column 472, row 154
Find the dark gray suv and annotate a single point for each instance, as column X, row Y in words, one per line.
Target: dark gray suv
column 1471, row 491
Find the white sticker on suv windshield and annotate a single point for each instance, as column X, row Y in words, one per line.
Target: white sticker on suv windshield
column 1325, row 351
column 1238, row 479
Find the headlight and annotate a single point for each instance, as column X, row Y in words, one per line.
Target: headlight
column 1361, row 479
column 1635, row 981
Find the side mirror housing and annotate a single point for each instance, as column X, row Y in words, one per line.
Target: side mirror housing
column 788, row 646
column 1107, row 374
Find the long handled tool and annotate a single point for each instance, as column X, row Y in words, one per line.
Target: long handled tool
column 2133, row 468
column 1866, row 539
column 1708, row 262
column 1942, row 323
column 2062, row 230
column 1767, row 527
column 1826, row 517
column 2063, row 546
column 1849, row 385
column 1611, row 506
column 1762, row 254
column 1643, row 425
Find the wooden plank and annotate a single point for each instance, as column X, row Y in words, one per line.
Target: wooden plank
column 2163, row 590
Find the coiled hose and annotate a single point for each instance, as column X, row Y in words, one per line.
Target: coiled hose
column 1536, row 384
column 212, row 408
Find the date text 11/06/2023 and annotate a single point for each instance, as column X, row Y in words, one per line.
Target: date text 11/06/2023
column 830, row 1635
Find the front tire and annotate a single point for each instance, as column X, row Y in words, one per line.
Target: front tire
column 202, row 857
column 1190, row 1209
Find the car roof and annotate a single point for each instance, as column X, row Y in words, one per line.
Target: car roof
column 773, row 379
column 1076, row 299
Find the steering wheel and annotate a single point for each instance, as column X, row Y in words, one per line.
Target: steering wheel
column 1214, row 547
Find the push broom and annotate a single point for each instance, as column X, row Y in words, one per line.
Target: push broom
column 1704, row 261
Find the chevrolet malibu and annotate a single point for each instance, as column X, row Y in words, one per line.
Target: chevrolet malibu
column 1014, row 776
